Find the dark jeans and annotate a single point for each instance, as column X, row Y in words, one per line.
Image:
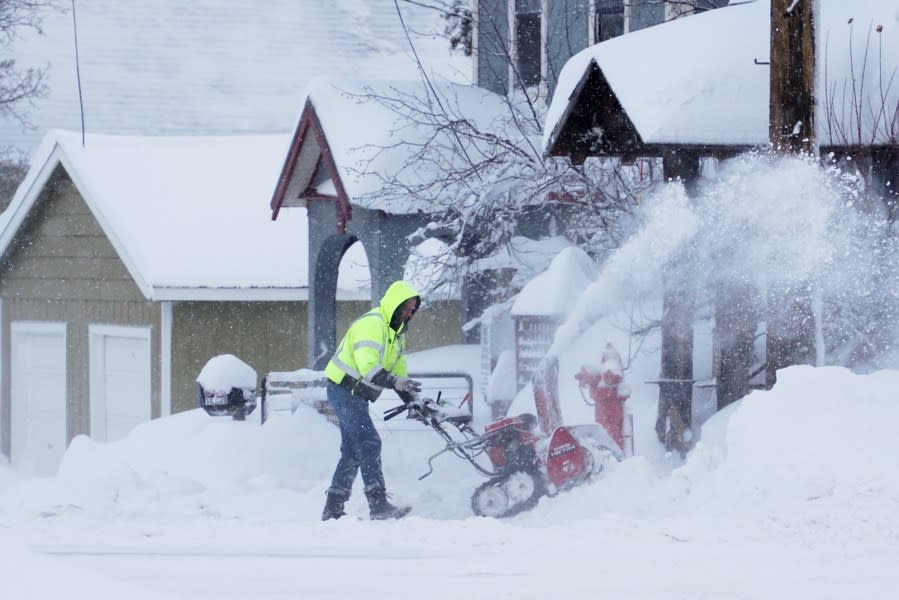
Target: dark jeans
column 360, row 444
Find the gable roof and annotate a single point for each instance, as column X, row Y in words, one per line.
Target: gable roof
column 215, row 67
column 183, row 213
column 310, row 170
column 352, row 136
column 708, row 90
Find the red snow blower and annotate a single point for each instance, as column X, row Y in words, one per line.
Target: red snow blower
column 524, row 464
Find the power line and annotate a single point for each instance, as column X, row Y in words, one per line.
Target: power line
column 78, row 71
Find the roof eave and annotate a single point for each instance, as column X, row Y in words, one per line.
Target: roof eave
column 25, row 197
column 247, row 294
column 573, row 98
column 309, row 122
column 593, row 107
column 230, row 294
column 290, row 162
column 109, row 231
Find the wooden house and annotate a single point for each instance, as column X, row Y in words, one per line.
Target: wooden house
column 127, row 263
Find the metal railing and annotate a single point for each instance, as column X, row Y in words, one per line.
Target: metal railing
column 456, row 387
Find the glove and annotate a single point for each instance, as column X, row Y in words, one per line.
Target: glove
column 409, row 399
column 406, row 385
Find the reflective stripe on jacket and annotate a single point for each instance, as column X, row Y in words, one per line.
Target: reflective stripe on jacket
column 370, row 344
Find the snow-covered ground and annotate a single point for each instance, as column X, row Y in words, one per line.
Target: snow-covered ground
column 790, row 494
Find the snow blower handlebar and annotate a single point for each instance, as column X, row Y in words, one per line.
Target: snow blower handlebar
column 395, row 411
column 418, row 409
column 434, row 413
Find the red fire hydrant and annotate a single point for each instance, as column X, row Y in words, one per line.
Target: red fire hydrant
column 608, row 395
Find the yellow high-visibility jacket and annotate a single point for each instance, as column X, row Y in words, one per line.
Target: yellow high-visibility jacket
column 371, row 344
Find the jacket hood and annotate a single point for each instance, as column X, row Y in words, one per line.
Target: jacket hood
column 396, row 294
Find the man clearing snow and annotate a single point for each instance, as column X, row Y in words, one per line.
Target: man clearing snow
column 368, row 359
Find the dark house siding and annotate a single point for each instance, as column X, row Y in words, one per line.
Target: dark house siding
column 644, row 15
column 269, row 336
column 567, row 34
column 493, row 45
column 61, row 267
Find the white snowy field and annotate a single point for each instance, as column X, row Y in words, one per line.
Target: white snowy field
column 791, row 493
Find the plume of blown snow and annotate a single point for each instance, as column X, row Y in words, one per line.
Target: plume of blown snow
column 762, row 221
column 635, row 271
column 766, row 220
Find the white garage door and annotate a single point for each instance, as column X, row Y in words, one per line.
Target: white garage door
column 38, row 389
column 119, row 380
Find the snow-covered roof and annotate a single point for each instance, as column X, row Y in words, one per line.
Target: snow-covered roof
column 373, row 130
column 553, row 292
column 217, row 66
column 185, row 214
column 525, row 254
column 695, row 80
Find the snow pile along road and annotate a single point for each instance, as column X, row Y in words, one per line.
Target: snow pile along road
column 791, row 493
column 820, row 440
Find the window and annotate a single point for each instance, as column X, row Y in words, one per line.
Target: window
column 527, row 41
column 608, row 20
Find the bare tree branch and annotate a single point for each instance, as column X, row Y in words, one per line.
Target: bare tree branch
column 854, row 115
column 18, row 88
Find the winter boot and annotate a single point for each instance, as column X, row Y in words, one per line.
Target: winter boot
column 380, row 508
column 334, row 506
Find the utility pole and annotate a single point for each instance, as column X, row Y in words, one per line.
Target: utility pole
column 792, row 81
column 791, row 129
column 674, row 421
